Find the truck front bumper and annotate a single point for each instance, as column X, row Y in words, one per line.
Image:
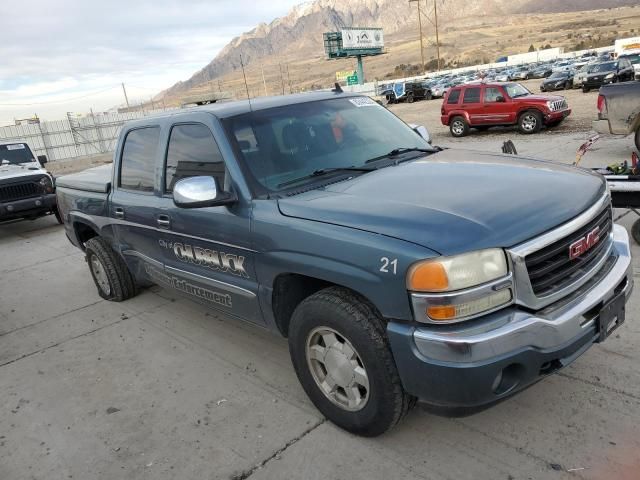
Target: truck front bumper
column 557, row 116
column 498, row 355
column 28, row 207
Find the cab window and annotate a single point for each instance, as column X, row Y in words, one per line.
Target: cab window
column 192, row 152
column 137, row 168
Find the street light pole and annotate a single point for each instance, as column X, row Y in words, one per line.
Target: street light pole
column 435, row 13
column 421, row 36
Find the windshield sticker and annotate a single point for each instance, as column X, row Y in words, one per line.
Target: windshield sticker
column 17, row 146
column 362, row 101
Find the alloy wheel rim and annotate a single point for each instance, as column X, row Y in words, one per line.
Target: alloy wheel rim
column 529, row 123
column 337, row 369
column 457, row 127
column 100, row 275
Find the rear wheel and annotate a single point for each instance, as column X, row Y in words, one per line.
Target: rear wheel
column 110, row 274
column 530, row 122
column 585, row 89
column 410, row 98
column 458, row 127
column 428, row 95
column 567, row 85
column 341, row 355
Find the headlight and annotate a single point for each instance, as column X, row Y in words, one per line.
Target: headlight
column 454, row 289
column 445, row 274
column 46, row 184
column 609, row 76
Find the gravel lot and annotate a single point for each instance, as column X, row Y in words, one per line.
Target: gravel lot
column 159, row 388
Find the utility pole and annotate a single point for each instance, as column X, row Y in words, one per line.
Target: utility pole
column 421, row 36
column 264, row 82
column 125, row 94
column 435, row 13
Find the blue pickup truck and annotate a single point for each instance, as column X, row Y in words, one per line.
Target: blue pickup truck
column 398, row 271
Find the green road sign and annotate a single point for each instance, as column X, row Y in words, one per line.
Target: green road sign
column 352, row 80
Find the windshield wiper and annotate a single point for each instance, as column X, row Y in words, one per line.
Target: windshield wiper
column 325, row 171
column 399, row 151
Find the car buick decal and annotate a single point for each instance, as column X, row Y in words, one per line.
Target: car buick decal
column 160, row 277
column 221, row 261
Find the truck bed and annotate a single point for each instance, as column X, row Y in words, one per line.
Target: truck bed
column 96, row 180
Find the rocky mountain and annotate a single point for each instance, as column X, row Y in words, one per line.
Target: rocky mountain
column 300, row 32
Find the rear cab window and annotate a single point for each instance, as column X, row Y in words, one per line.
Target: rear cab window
column 137, row 166
column 192, row 152
column 453, row 96
column 472, row 95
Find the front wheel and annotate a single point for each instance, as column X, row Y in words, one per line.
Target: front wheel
column 637, row 139
column 530, row 122
column 428, row 95
column 635, row 231
column 410, row 98
column 585, row 89
column 341, row 355
column 458, row 127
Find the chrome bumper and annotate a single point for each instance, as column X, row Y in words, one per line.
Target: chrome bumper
column 513, row 329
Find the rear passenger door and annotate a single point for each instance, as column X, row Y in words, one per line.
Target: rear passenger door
column 133, row 202
column 207, row 251
column 471, row 104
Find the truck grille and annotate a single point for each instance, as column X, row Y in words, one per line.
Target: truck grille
column 18, row 191
column 551, row 268
column 559, row 105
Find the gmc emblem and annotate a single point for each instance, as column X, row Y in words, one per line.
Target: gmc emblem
column 585, row 244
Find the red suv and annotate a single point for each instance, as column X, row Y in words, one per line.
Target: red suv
column 484, row 105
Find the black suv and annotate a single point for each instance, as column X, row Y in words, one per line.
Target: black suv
column 407, row 91
column 620, row 70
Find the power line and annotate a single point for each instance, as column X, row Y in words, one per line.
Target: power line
column 58, row 101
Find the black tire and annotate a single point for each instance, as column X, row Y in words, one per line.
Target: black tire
column 353, row 319
column 410, row 98
column 530, row 121
column 121, row 285
column 635, row 231
column 458, row 127
column 637, row 139
column 585, row 89
column 428, row 95
column 56, row 212
column 391, row 100
column 567, row 85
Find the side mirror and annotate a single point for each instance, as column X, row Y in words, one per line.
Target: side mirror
column 500, row 99
column 199, row 192
column 42, row 159
column 422, row 131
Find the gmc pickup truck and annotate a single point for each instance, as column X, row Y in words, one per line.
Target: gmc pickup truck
column 398, row 271
column 27, row 190
column 619, row 110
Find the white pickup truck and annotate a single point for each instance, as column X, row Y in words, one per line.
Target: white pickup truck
column 27, row 190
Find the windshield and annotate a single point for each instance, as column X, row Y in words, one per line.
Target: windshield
column 604, row 67
column 15, row 154
column 634, row 59
column 283, row 144
column 515, row 90
column 558, row 75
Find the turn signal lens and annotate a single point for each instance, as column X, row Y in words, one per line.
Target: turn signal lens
column 428, row 277
column 444, row 313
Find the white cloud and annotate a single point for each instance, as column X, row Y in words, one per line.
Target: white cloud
column 71, row 48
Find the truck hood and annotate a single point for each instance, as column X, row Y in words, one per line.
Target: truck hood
column 540, row 98
column 10, row 172
column 455, row 201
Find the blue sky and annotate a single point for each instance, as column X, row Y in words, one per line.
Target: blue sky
column 69, row 55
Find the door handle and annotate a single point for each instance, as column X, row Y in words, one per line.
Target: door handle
column 164, row 221
column 119, row 212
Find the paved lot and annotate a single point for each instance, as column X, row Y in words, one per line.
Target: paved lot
column 158, row 388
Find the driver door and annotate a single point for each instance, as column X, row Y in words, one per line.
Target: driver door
column 207, row 251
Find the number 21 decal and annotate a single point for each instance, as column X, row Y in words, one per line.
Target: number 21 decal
column 389, row 266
